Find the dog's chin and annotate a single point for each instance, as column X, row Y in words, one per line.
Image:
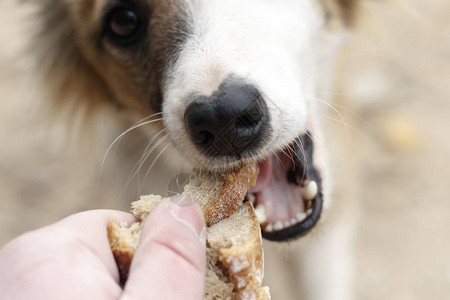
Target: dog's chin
column 287, row 195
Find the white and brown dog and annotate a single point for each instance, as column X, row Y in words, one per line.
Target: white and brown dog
column 232, row 81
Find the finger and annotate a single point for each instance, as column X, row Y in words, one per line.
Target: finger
column 170, row 261
column 90, row 228
column 73, row 252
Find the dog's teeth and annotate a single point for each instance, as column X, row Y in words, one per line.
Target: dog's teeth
column 293, row 221
column 260, row 211
column 278, row 226
column 301, row 216
column 287, row 223
column 251, row 197
column 309, row 211
column 268, row 228
column 309, row 192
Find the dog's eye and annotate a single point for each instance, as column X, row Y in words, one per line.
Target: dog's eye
column 123, row 23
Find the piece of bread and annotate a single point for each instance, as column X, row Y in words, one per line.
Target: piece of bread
column 235, row 257
column 234, row 249
column 220, row 195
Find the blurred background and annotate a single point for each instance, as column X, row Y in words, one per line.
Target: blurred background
column 393, row 92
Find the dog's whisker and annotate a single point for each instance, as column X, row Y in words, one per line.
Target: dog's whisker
column 299, row 144
column 346, row 109
column 154, row 161
column 147, row 152
column 122, row 135
column 141, row 161
column 327, row 121
column 177, row 172
column 287, row 154
column 144, row 159
column 336, row 127
column 349, row 126
column 146, row 118
column 333, row 108
column 359, row 118
column 335, row 94
column 325, row 145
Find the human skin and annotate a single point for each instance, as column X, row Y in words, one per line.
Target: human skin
column 71, row 259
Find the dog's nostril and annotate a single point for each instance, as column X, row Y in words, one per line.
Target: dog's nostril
column 248, row 121
column 205, row 138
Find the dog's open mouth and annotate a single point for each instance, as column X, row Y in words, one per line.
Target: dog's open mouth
column 288, row 192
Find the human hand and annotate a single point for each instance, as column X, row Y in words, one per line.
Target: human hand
column 71, row 259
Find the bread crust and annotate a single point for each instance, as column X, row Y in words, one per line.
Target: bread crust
column 246, row 264
column 123, row 253
column 233, row 194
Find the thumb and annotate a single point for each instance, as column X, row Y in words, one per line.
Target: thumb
column 170, row 261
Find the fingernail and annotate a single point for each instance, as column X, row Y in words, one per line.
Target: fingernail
column 187, row 213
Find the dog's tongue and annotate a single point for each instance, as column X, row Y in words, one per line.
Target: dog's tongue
column 281, row 199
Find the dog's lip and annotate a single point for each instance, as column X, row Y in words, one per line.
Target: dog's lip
column 281, row 196
column 300, row 229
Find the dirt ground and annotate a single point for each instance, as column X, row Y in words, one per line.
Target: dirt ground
column 394, row 92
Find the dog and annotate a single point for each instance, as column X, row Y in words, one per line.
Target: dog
column 224, row 82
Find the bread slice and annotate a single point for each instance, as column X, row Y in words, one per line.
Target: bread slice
column 234, row 255
column 233, row 246
column 233, row 240
column 220, row 195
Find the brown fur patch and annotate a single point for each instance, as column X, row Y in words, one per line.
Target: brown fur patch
column 339, row 12
column 59, row 61
column 348, row 9
column 75, row 60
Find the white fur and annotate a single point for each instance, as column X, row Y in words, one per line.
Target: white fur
column 283, row 49
column 271, row 44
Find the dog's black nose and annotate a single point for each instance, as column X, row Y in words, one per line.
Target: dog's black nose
column 231, row 122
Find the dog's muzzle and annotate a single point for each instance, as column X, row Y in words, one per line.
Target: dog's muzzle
column 234, row 123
